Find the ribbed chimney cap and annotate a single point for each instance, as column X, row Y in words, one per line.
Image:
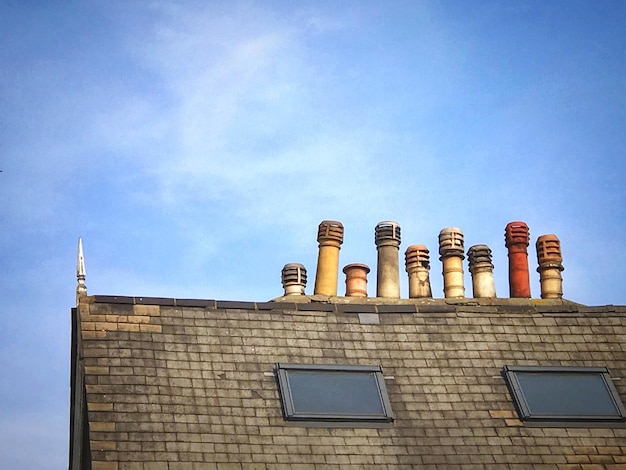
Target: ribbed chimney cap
column 516, row 233
column 330, row 230
column 548, row 249
column 417, row 255
column 293, row 277
column 451, row 242
column 387, row 232
column 294, row 269
column 479, row 254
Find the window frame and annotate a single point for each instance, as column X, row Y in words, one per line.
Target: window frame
column 526, row 414
column 292, row 416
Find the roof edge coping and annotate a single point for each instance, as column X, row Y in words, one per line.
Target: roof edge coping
column 320, row 303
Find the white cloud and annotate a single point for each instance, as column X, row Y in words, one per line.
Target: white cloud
column 252, row 123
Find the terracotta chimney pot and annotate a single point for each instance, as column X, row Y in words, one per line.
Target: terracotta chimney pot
column 549, row 258
column 387, row 239
column 517, row 239
column 356, row 279
column 451, row 249
column 417, row 264
column 330, row 238
column 481, row 267
column 294, row 278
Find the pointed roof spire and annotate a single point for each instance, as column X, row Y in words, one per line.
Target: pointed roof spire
column 81, row 288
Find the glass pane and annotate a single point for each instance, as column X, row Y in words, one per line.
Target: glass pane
column 566, row 394
column 335, row 392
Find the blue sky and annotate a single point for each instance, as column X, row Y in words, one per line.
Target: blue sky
column 195, row 146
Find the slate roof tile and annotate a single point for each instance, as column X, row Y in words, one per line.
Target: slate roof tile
column 198, row 386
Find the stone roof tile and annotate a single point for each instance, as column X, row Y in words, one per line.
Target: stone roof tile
column 191, row 382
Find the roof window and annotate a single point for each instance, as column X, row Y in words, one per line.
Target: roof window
column 334, row 395
column 564, row 396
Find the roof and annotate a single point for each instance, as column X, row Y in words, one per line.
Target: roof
column 183, row 384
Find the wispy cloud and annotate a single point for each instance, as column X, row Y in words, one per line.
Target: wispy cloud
column 252, row 122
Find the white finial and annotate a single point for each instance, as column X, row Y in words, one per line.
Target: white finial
column 81, row 288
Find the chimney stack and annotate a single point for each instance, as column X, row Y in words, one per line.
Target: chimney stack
column 293, row 277
column 481, row 267
column 550, row 267
column 417, row 263
column 517, row 238
column 451, row 249
column 356, row 279
column 330, row 238
column 387, row 239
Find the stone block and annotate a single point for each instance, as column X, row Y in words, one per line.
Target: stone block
column 150, row 328
column 100, row 465
column 149, row 310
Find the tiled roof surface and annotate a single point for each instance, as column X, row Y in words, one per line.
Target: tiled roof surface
column 186, row 385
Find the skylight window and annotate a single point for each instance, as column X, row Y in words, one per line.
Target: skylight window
column 565, row 395
column 334, row 394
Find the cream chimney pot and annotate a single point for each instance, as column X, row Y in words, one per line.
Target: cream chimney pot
column 451, row 249
column 481, row 267
column 387, row 239
column 417, row 264
column 549, row 258
column 330, row 238
column 293, row 278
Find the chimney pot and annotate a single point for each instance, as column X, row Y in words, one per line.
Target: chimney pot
column 387, row 239
column 452, row 251
column 330, row 232
column 294, row 278
column 481, row 267
column 516, row 233
column 356, row 279
column 387, row 233
column 330, row 238
column 451, row 242
column 417, row 264
column 550, row 267
column 549, row 249
column 517, row 238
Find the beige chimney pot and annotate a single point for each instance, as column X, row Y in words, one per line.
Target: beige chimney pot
column 417, row 264
column 330, row 238
column 294, row 279
column 481, row 267
column 549, row 258
column 451, row 249
column 387, row 239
